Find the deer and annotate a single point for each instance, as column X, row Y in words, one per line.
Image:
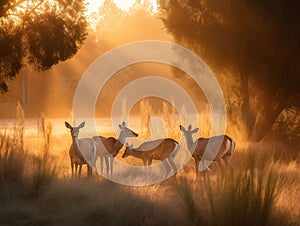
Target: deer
column 224, row 143
column 109, row 147
column 161, row 149
column 81, row 151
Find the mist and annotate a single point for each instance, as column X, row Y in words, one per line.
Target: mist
column 249, row 49
column 52, row 92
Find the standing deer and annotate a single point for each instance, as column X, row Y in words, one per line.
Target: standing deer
column 81, row 150
column 198, row 147
column 162, row 149
column 109, row 147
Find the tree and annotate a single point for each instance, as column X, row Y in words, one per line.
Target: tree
column 40, row 33
column 115, row 26
column 257, row 42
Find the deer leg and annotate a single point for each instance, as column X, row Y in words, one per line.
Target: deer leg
column 227, row 159
column 72, row 167
column 219, row 163
column 101, row 164
column 173, row 165
column 149, row 163
column 215, row 166
column 167, row 166
column 94, row 163
column 89, row 170
column 197, row 166
column 107, row 165
column 79, row 171
column 76, row 169
column 111, row 163
column 145, row 162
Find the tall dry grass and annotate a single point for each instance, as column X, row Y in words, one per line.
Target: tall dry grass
column 22, row 173
column 251, row 193
column 257, row 190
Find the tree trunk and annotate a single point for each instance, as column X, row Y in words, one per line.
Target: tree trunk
column 272, row 108
column 248, row 116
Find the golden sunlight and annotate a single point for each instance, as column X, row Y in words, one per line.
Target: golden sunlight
column 93, row 5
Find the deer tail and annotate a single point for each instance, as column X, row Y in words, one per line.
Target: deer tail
column 232, row 147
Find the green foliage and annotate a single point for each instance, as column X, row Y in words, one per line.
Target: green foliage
column 40, row 33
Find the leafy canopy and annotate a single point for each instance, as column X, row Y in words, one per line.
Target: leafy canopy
column 40, row 33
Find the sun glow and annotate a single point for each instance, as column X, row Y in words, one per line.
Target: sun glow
column 93, row 5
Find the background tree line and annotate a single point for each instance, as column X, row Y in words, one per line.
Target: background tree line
column 40, row 33
column 253, row 46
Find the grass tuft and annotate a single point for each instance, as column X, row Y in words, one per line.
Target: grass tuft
column 256, row 190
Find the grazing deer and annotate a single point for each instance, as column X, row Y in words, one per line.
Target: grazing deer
column 109, row 147
column 162, row 149
column 223, row 142
column 81, row 150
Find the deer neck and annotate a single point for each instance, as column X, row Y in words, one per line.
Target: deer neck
column 119, row 143
column 136, row 153
column 76, row 144
column 189, row 142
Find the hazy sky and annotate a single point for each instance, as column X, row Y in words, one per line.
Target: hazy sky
column 93, row 5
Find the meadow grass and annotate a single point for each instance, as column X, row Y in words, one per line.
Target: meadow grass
column 257, row 190
column 246, row 196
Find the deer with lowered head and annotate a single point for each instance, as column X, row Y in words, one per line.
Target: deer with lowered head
column 162, row 149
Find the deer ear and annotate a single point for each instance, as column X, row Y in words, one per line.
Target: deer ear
column 195, row 130
column 131, row 146
column 122, row 126
column 190, row 127
column 81, row 125
column 68, row 125
column 182, row 128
